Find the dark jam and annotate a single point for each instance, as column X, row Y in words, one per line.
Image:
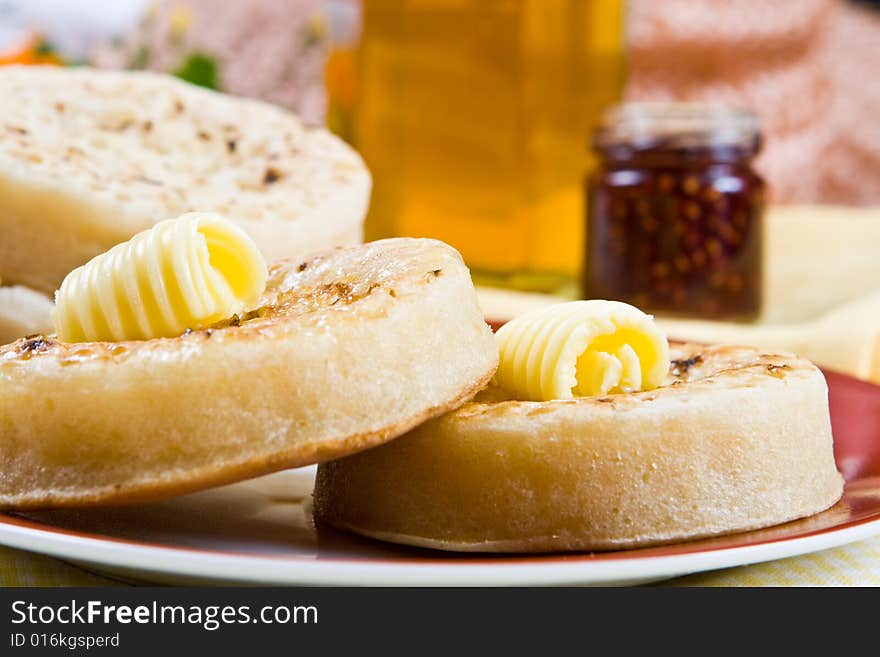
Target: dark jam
column 675, row 227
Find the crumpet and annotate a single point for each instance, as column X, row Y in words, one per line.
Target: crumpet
column 344, row 351
column 734, row 440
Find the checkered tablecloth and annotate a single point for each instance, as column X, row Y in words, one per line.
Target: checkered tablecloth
column 20, row 568
column 856, row 564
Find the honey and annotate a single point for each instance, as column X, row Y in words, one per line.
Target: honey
column 472, row 116
column 675, row 211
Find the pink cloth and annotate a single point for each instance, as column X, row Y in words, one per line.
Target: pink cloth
column 268, row 49
column 809, row 68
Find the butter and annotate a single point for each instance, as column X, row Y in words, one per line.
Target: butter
column 184, row 273
column 581, row 348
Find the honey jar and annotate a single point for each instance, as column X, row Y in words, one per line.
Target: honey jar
column 674, row 211
column 471, row 116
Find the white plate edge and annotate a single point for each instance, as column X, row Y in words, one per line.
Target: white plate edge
column 216, row 568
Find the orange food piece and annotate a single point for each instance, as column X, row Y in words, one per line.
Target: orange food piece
column 30, row 53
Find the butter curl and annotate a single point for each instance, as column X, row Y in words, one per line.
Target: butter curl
column 581, row 348
column 183, row 273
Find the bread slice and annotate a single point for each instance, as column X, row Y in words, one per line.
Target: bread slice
column 88, row 158
column 23, row 312
column 345, row 351
column 737, row 439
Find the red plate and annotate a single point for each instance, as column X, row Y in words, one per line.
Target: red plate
column 260, row 532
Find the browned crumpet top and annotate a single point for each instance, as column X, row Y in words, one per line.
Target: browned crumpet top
column 344, row 351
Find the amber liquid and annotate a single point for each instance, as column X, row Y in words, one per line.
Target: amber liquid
column 473, row 116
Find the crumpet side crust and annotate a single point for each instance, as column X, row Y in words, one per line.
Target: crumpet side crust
column 736, row 440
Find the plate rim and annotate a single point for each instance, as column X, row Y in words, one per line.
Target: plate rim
column 229, row 567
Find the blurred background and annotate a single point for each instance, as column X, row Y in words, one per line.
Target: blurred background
column 546, row 140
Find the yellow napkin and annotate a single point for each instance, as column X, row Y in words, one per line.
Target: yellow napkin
column 822, row 291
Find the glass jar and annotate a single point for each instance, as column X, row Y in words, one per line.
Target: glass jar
column 674, row 217
column 470, row 115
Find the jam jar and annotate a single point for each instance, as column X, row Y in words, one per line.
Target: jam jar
column 674, row 211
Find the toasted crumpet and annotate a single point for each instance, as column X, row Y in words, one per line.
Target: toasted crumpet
column 735, row 440
column 345, row 351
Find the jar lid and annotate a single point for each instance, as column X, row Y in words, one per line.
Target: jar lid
column 677, row 125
